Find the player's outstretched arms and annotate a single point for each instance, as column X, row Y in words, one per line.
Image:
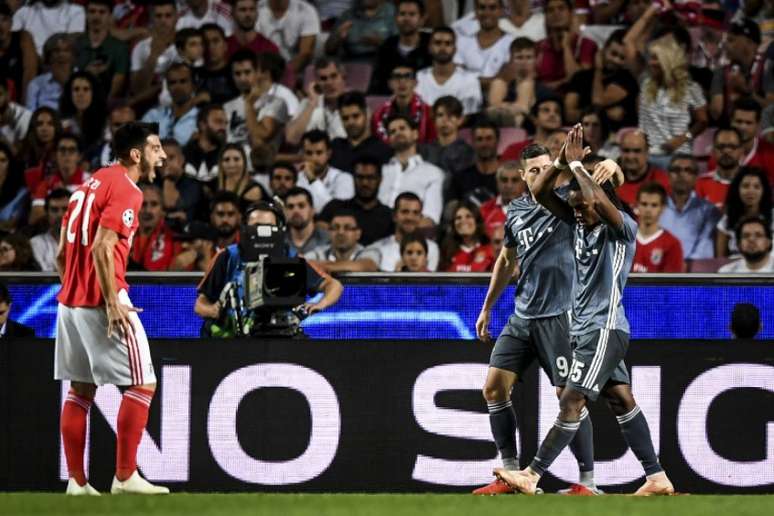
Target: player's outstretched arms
column 592, row 193
column 504, row 269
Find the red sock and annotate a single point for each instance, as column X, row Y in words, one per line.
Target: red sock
column 73, row 428
column 132, row 418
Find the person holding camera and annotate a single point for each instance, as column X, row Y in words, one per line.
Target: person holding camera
column 222, row 291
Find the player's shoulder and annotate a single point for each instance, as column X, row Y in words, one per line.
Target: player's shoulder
column 519, row 205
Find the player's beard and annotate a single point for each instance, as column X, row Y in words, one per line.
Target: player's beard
column 147, row 170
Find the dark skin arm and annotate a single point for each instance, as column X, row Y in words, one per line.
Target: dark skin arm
column 592, row 193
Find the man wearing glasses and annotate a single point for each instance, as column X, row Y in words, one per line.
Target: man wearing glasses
column 728, row 153
column 636, row 169
column 345, row 254
column 406, row 103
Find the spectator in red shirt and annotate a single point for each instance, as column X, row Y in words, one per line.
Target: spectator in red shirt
column 746, row 118
column 564, row 51
column 466, row 247
column 658, row 250
column 727, row 152
column 66, row 173
column 154, row 246
column 510, row 185
column 637, row 171
column 547, row 116
column 245, row 15
column 404, row 101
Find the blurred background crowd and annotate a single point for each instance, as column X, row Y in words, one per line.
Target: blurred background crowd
column 391, row 130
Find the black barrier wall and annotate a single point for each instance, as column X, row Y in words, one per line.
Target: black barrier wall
column 387, row 416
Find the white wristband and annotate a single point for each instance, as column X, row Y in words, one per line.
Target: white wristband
column 558, row 165
column 576, row 163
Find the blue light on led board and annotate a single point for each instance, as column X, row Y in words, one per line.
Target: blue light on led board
column 442, row 311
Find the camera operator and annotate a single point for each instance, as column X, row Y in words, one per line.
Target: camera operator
column 228, row 268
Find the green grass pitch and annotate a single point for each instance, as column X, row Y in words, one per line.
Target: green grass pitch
column 383, row 504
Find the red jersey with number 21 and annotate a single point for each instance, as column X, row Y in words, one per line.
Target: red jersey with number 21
column 109, row 199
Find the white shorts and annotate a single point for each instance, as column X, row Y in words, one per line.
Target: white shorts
column 85, row 353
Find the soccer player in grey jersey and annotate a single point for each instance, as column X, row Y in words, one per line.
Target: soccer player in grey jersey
column 539, row 327
column 604, row 250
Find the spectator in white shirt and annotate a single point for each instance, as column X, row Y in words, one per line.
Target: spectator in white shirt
column 489, row 49
column 293, row 26
column 345, row 254
column 14, row 119
column 408, row 172
column 319, row 110
column 258, row 115
column 152, row 56
column 323, row 181
column 199, row 12
column 754, row 236
column 524, row 22
column 445, row 77
column 44, row 18
column 44, row 245
column 407, row 216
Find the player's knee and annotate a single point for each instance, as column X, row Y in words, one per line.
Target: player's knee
column 494, row 392
column 571, row 404
column 84, row 390
column 620, row 399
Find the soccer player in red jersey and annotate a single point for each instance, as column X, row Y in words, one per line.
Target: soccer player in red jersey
column 657, row 250
column 99, row 337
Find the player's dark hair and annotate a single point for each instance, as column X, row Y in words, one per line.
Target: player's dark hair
column 522, row 43
column 352, row 98
column 745, row 321
column 297, row 190
column 550, row 98
column 652, row 188
column 5, row 295
column 132, row 135
column 612, row 195
column 751, row 219
column 444, row 29
column 174, row 67
column 747, row 104
column 316, row 136
column 419, row 3
column 533, row 150
column 735, row 208
column 450, row 104
column 684, row 156
column 407, row 196
column 160, row 3
column 56, row 193
column 410, row 239
column 284, row 165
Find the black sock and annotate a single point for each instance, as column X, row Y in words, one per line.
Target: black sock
column 502, row 419
column 582, row 447
column 557, row 440
column 636, row 432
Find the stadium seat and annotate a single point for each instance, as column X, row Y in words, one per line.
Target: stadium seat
column 702, row 144
column 509, row 135
column 358, row 75
column 375, row 102
column 707, row 265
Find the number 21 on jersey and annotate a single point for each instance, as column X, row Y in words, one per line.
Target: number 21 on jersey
column 80, row 198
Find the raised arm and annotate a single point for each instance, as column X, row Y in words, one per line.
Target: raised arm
column 543, row 187
column 592, row 193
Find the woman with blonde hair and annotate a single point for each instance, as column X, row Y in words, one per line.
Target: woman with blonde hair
column 233, row 176
column 672, row 107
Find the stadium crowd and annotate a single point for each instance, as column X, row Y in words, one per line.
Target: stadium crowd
column 391, row 131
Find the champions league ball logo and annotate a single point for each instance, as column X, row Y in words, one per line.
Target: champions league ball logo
column 128, row 217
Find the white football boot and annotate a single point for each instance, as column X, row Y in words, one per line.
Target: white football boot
column 136, row 485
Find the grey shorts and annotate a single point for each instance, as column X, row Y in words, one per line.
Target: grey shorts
column 524, row 340
column 84, row 353
column 598, row 358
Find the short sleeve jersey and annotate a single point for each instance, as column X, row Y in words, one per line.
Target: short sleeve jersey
column 109, row 199
column 544, row 248
column 603, row 258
